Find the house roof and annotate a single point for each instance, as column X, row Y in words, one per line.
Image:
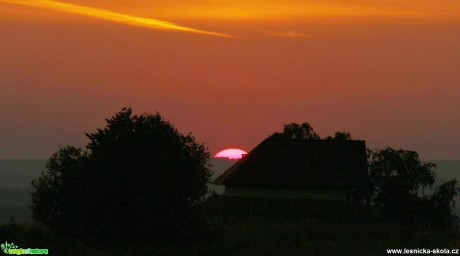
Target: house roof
column 283, row 162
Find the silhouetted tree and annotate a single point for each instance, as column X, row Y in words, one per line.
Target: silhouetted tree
column 51, row 199
column 298, row 131
column 444, row 203
column 398, row 176
column 399, row 181
column 343, row 135
column 138, row 178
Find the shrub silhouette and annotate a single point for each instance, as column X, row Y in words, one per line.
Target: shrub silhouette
column 137, row 178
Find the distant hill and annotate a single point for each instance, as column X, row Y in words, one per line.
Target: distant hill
column 15, row 188
column 19, row 173
column 447, row 170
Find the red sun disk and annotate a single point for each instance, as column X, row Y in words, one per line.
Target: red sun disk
column 231, row 153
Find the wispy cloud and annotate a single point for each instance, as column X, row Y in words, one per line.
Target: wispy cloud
column 289, row 34
column 111, row 16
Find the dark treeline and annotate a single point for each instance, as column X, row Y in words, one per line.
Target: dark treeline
column 139, row 180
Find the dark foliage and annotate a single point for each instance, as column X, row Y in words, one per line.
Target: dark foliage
column 305, row 131
column 138, row 178
column 298, row 131
column 344, row 135
column 32, row 235
column 443, row 204
column 400, row 181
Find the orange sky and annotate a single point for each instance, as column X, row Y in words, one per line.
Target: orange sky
column 387, row 71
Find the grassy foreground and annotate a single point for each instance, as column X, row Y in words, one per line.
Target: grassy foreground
column 245, row 226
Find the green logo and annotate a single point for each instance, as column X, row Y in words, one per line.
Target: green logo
column 7, row 246
column 12, row 249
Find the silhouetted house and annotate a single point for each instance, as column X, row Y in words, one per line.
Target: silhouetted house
column 296, row 168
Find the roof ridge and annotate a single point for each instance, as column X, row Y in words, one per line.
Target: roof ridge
column 219, row 180
column 293, row 162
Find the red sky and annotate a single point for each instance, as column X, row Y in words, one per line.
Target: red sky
column 388, row 72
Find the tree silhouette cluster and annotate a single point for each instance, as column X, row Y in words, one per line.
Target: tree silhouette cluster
column 138, row 178
column 305, row 131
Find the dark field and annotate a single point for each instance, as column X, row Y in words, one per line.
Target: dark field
column 239, row 226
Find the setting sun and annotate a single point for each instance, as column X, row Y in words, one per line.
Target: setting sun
column 231, row 153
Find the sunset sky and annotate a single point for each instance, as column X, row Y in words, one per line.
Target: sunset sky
column 232, row 72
